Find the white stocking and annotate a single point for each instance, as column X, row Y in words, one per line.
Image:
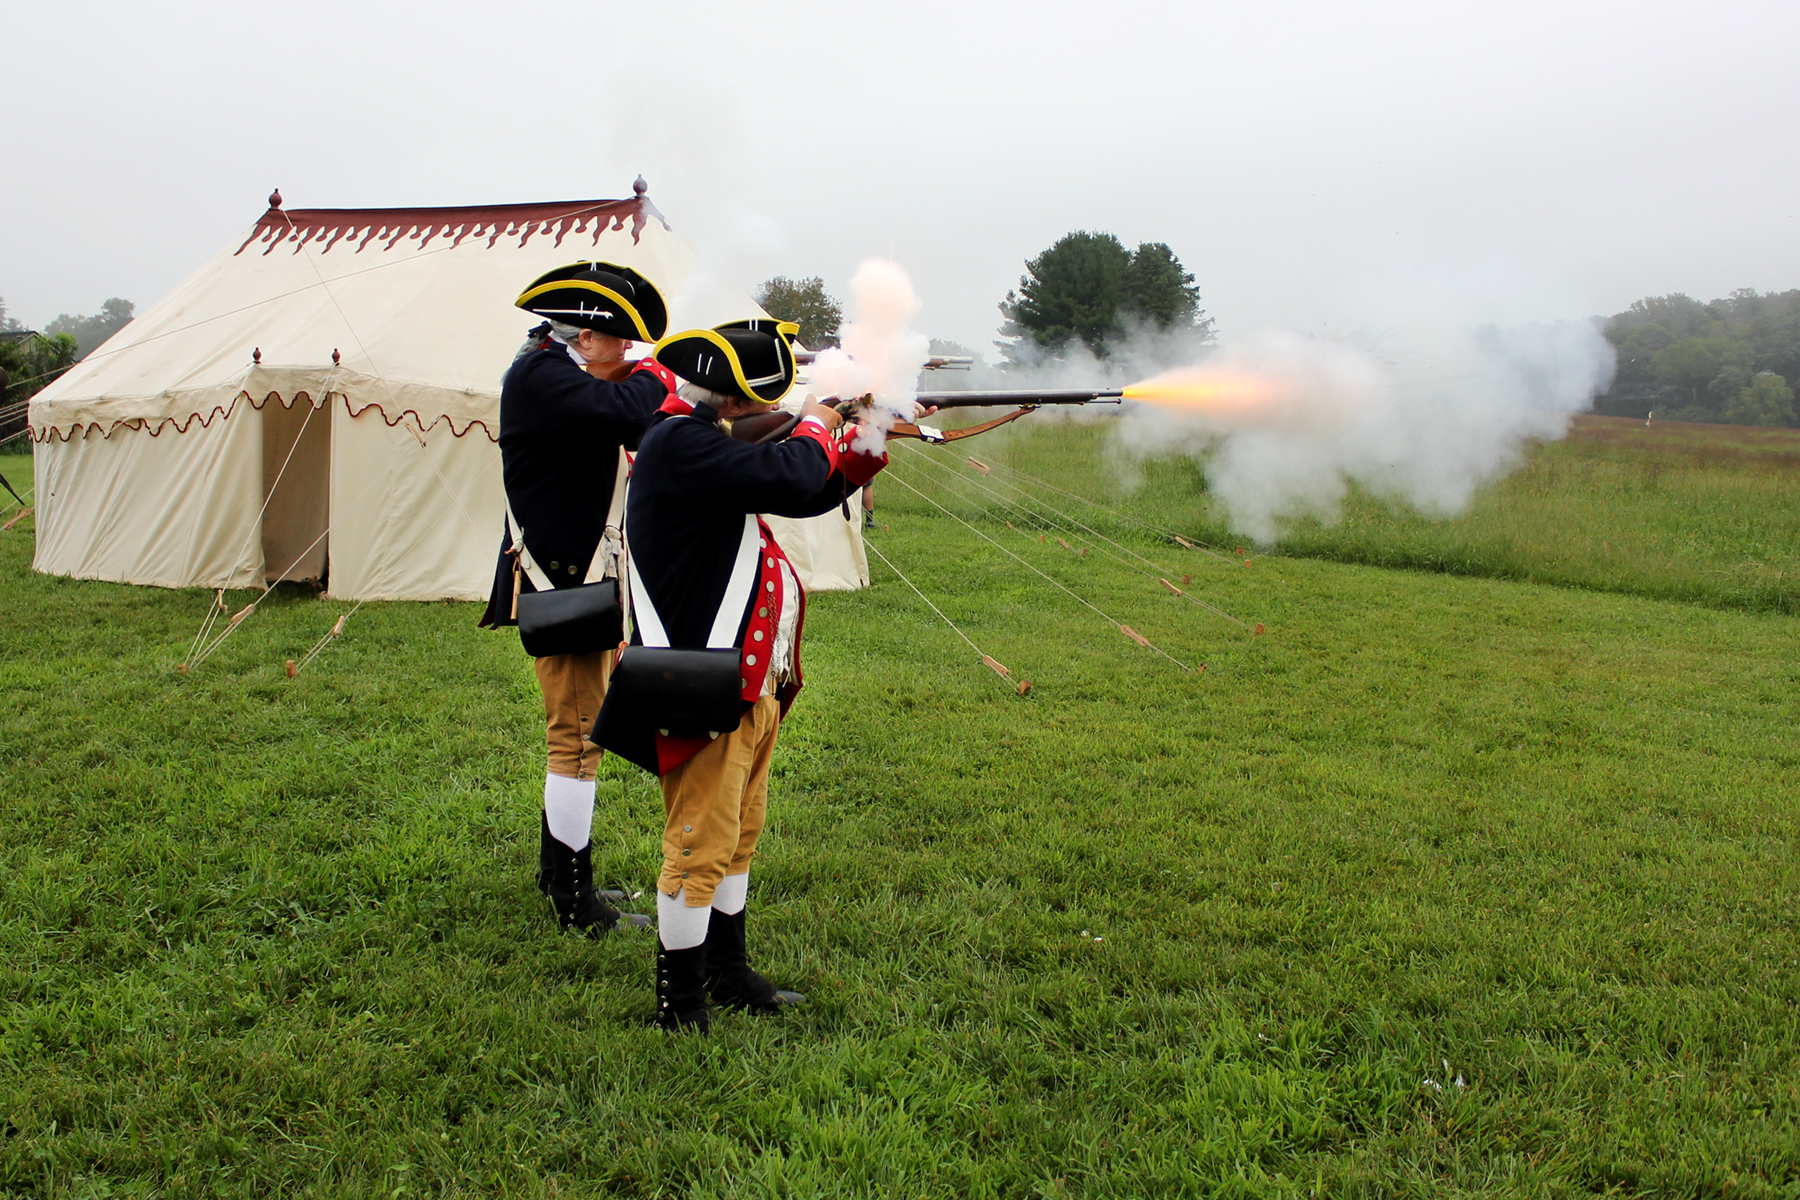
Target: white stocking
column 732, row 891
column 569, row 808
column 679, row 926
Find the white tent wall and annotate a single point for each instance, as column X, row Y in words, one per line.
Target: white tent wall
column 156, row 457
column 170, row 509
column 412, row 521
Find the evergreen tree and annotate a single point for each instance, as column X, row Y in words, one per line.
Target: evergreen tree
column 1159, row 292
column 1071, row 292
column 1088, row 288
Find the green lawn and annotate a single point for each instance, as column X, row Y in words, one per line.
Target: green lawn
column 1704, row 513
column 1139, row 932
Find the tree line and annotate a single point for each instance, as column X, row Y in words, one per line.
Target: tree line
column 1733, row 361
column 31, row 360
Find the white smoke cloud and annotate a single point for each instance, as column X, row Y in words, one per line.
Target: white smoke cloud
column 879, row 353
column 1308, row 416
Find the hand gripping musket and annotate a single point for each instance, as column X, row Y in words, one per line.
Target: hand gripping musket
column 773, row 426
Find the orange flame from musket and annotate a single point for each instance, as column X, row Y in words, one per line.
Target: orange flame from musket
column 1231, row 396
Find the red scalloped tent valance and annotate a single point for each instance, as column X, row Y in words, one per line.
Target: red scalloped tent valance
column 326, row 227
column 155, row 426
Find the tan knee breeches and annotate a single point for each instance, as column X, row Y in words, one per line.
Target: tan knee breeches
column 573, row 687
column 715, row 803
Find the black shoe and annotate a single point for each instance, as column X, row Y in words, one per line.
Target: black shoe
column 868, row 519
column 570, row 886
column 681, row 989
column 547, row 848
column 728, row 975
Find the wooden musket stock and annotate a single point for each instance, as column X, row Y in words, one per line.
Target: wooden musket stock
column 773, row 426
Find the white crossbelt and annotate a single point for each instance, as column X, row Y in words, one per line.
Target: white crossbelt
column 731, row 609
column 607, row 555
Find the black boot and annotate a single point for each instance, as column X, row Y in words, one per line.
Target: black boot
column 728, row 975
column 567, row 877
column 681, row 988
column 548, row 848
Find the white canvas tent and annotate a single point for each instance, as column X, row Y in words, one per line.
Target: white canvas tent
column 321, row 400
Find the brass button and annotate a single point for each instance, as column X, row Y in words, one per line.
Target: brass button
column 685, row 853
column 687, row 829
column 750, row 659
column 571, row 568
column 762, row 612
column 556, row 566
column 684, row 874
column 758, row 635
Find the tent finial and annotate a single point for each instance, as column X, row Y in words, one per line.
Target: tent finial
column 275, row 198
column 335, row 357
column 639, row 187
column 256, row 355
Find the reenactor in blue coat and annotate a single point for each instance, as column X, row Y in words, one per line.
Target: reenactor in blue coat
column 569, row 405
column 715, row 606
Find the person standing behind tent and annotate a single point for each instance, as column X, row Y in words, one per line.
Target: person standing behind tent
column 569, row 406
column 704, row 572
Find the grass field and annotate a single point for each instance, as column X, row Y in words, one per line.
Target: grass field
column 1450, row 884
column 1704, row 513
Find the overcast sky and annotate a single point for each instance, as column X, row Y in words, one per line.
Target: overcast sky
column 1316, row 165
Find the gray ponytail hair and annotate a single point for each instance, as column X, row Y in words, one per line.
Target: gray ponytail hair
column 693, row 393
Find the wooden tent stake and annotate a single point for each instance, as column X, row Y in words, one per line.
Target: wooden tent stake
column 1134, row 635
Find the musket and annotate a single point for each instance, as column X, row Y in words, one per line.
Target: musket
column 937, row 362
column 773, row 426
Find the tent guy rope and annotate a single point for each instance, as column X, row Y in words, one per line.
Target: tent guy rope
column 987, row 660
column 1121, row 626
column 1125, row 556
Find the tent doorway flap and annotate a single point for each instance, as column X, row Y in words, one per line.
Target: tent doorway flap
column 296, row 489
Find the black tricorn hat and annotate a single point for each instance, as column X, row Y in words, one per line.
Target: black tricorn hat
column 599, row 296
column 753, row 359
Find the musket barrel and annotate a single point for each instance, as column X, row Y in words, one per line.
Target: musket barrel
column 936, row 362
column 1021, row 397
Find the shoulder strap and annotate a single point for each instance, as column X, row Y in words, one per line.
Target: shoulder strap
column 539, row 580
column 723, row 635
column 605, row 563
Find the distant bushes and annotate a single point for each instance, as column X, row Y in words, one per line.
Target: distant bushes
column 1733, row 361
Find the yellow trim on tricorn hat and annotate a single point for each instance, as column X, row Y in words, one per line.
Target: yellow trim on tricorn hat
column 635, row 310
column 715, row 358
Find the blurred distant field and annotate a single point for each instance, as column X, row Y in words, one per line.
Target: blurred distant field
column 1708, row 514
